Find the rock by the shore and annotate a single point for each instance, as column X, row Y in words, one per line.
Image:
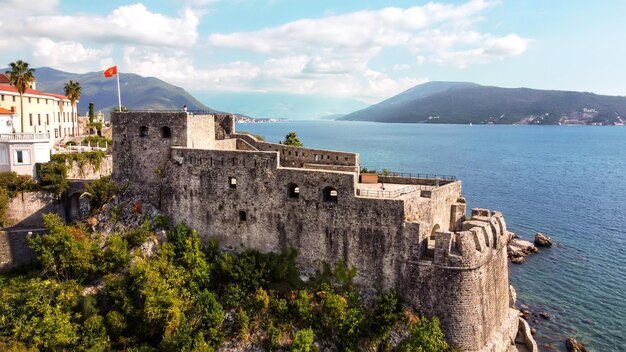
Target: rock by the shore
column 574, row 346
column 517, row 249
column 545, row 315
column 518, row 260
column 542, row 240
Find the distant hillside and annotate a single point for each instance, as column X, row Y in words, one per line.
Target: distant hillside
column 462, row 102
column 138, row 92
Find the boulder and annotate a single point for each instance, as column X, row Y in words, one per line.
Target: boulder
column 574, row 346
column 545, row 315
column 542, row 240
column 518, row 260
column 522, row 247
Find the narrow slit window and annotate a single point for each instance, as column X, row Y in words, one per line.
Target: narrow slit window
column 294, row 191
column 143, row 131
column 232, row 182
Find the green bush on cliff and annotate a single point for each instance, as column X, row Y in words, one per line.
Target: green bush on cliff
column 426, row 336
column 4, row 205
column 53, row 177
column 65, row 252
column 102, row 191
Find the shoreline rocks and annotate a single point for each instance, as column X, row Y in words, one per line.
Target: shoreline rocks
column 542, row 240
column 518, row 249
column 574, row 346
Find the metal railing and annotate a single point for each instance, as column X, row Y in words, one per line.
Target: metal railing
column 391, row 194
column 191, row 112
column 416, row 175
column 24, row 136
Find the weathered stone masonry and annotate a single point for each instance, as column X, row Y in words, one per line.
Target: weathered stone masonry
column 252, row 194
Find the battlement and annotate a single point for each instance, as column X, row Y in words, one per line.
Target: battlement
column 480, row 236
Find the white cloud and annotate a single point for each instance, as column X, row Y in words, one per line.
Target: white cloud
column 25, row 7
column 71, row 56
column 334, row 52
column 131, row 24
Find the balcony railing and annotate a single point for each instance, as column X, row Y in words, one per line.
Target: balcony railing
column 24, row 136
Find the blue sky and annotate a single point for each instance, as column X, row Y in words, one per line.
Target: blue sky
column 305, row 59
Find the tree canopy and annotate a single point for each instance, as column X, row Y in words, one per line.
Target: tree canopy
column 292, row 139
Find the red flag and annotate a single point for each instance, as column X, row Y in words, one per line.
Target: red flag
column 111, row 71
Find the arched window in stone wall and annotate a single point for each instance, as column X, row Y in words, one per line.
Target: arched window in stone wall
column 166, row 132
column 143, row 131
column 330, row 195
column 294, row 191
column 232, row 182
column 428, row 245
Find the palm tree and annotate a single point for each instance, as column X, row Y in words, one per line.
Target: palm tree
column 21, row 77
column 72, row 91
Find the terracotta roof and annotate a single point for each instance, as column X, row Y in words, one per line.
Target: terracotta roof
column 8, row 88
column 4, row 111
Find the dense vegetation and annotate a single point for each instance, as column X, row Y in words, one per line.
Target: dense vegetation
column 461, row 102
column 99, row 293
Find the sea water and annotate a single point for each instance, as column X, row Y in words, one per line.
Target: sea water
column 565, row 181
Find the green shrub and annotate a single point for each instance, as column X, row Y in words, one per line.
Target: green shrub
column 65, row 252
column 273, row 337
column 92, row 158
column 4, row 205
column 15, row 184
column 425, row 336
column 387, row 312
column 138, row 235
column 242, row 324
column 40, row 313
column 304, row 341
column 53, row 177
column 115, row 255
column 102, row 191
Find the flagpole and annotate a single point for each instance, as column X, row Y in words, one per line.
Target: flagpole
column 119, row 95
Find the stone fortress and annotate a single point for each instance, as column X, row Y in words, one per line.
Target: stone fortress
column 412, row 236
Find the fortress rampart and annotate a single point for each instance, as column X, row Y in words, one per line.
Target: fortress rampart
column 412, row 236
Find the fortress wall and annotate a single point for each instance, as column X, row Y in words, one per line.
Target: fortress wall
column 368, row 233
column 298, row 156
column 472, row 303
column 25, row 209
column 201, row 131
column 136, row 159
column 88, row 171
column 224, row 126
column 436, row 209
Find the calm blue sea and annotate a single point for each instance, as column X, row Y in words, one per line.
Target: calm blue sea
column 567, row 182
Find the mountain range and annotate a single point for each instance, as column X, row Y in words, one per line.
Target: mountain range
column 464, row 102
column 138, row 92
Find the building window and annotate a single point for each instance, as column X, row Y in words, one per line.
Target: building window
column 143, row 131
column 294, row 191
column 14, row 98
column 29, row 100
column 330, row 195
column 39, row 119
column 4, row 154
column 37, row 100
column 232, row 182
column 22, row 157
column 166, row 132
column 3, row 97
column 30, row 117
column 56, row 133
column 47, row 118
column 242, row 216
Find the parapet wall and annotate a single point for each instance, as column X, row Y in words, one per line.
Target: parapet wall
column 297, row 156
